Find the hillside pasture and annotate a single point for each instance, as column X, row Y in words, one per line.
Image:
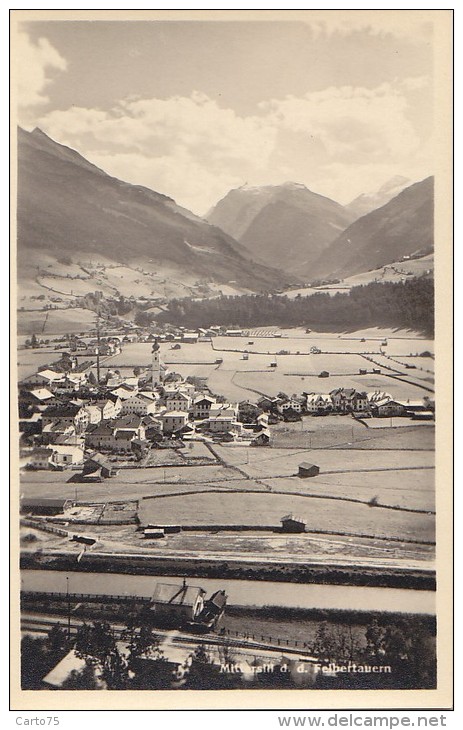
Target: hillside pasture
column 55, row 321
column 74, row 287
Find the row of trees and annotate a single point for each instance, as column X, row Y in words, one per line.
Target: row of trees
column 133, row 659
column 408, row 304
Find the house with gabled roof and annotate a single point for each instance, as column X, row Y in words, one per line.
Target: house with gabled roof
column 178, row 401
column 110, row 407
column 173, row 421
column 45, row 378
column 68, row 413
column 202, row 405
column 377, row 395
column 141, row 404
column 319, row 403
column 100, row 436
column 53, row 431
column 387, row 407
column 97, row 467
column 177, row 601
column 124, row 391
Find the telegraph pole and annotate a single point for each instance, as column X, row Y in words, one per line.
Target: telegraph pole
column 69, row 607
column 98, row 346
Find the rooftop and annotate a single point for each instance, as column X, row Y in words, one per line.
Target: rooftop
column 177, row 595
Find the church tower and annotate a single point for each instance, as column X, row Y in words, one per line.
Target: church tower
column 155, row 365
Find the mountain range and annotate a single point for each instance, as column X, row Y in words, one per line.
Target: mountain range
column 366, row 202
column 68, row 206
column 286, row 226
column 402, row 227
column 255, row 239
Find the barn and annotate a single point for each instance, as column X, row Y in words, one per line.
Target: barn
column 45, row 507
column 292, row 523
column 308, row 470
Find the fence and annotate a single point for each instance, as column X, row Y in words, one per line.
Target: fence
column 44, row 526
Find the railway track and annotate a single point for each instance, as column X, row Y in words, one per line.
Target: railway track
column 42, row 623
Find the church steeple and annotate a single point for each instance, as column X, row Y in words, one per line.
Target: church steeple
column 155, row 365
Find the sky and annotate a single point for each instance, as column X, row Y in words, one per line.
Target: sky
column 193, row 109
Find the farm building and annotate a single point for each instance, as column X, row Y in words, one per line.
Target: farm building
column 217, row 602
column 308, row 470
column 292, row 523
column 174, row 601
column 262, row 438
column 167, row 529
column 45, row 506
column 40, row 458
column 152, row 533
column 97, row 467
column 387, row 408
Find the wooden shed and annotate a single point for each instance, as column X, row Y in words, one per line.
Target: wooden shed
column 308, row 470
column 152, row 533
column 292, row 523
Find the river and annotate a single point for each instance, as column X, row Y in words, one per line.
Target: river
column 241, row 592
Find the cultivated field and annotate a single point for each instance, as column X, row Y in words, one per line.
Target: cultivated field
column 360, row 465
column 29, row 361
column 268, row 508
column 284, row 462
column 276, row 381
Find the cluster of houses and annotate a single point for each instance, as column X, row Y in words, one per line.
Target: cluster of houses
column 112, row 344
column 65, row 415
column 347, row 400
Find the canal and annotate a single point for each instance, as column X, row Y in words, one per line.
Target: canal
column 241, row 592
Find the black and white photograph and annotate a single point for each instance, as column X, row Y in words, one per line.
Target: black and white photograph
column 231, row 320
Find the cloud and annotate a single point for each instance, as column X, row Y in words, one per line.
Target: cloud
column 187, row 147
column 178, row 175
column 353, row 124
column 34, row 63
column 338, row 141
column 413, row 26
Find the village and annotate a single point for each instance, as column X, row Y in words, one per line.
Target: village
column 145, row 495
column 70, row 412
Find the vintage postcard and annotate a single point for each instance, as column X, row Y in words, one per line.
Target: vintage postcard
column 232, row 342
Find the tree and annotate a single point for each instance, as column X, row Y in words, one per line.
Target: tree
column 153, row 672
column 57, row 640
column 248, row 413
column 374, row 635
column 324, row 644
column 96, row 644
column 32, row 662
column 81, row 679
